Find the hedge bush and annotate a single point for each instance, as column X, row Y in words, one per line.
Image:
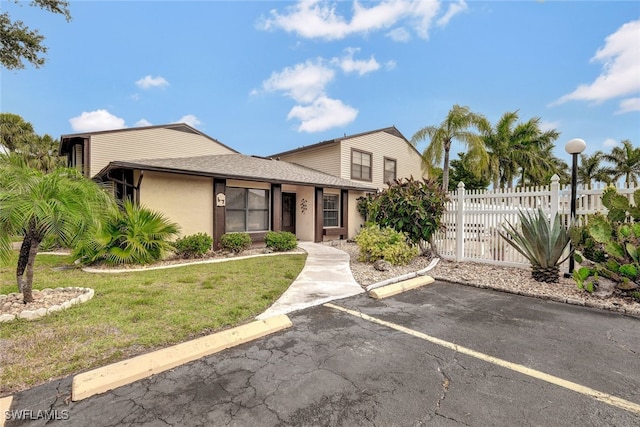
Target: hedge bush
column 280, row 241
column 235, row 242
column 385, row 243
column 194, row 245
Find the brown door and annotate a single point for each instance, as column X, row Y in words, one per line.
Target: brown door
column 289, row 212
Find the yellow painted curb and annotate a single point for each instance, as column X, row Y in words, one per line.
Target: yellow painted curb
column 5, row 406
column 396, row 288
column 127, row 371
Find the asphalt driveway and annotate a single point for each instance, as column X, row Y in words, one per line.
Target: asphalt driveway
column 443, row 355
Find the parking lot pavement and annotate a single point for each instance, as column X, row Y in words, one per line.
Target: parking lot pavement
column 401, row 361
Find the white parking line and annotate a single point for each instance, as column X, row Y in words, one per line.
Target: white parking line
column 598, row 395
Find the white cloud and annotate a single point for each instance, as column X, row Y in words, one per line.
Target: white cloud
column 189, row 119
column 142, row 123
column 390, row 65
column 320, row 19
column 546, row 126
column 621, row 67
column 399, row 35
column 148, row 82
column 95, row 121
column 324, row 113
column 628, row 105
column 304, row 82
column 348, row 64
column 610, row 142
column 453, row 10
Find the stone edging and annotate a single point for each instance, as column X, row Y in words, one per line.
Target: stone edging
column 86, row 295
column 602, row 305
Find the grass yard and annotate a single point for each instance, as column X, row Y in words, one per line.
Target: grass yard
column 132, row 313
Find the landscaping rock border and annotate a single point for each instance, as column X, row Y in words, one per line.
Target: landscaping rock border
column 47, row 301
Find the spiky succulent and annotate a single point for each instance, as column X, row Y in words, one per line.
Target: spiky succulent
column 540, row 242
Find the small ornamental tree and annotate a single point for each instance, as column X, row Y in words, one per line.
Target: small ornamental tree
column 414, row 207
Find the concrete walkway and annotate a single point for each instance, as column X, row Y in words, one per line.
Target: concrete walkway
column 326, row 276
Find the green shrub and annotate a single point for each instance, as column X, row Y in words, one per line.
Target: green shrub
column 132, row 235
column 411, row 206
column 235, row 242
column 194, row 245
column 281, row 241
column 385, row 243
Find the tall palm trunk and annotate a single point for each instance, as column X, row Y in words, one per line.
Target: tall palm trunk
column 445, row 167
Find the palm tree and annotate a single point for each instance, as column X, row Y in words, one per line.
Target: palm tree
column 626, row 163
column 14, row 131
column 519, row 149
column 62, row 203
column 454, row 127
column 590, row 169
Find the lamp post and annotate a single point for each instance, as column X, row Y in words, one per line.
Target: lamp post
column 574, row 147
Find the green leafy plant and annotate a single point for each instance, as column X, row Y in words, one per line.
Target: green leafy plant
column 540, row 242
column 194, row 245
column 385, row 243
column 235, row 242
column 410, row 206
column 609, row 244
column 132, row 235
column 280, row 241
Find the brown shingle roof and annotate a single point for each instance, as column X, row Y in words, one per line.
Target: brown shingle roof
column 239, row 166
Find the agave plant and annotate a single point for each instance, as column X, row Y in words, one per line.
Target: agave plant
column 541, row 243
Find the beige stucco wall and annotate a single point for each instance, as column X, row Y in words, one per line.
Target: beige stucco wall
column 381, row 145
column 355, row 219
column 305, row 208
column 186, row 200
column 152, row 143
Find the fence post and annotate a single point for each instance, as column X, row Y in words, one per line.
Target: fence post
column 555, row 197
column 460, row 223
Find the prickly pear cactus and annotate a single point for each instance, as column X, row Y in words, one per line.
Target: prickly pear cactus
column 611, row 244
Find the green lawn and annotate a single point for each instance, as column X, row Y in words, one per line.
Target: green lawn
column 132, row 313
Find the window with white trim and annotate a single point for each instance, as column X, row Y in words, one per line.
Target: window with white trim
column 247, row 209
column 331, row 210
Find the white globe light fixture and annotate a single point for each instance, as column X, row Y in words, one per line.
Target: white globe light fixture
column 574, row 147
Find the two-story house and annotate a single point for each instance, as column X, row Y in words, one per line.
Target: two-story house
column 373, row 158
column 205, row 186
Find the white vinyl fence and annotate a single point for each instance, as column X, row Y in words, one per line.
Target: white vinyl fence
column 473, row 218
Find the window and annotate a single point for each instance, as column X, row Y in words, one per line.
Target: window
column 247, row 209
column 389, row 170
column 360, row 165
column 330, row 210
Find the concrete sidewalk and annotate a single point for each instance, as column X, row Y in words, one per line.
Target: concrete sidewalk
column 326, row 276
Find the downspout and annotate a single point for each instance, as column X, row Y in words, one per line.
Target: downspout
column 137, row 187
column 407, row 276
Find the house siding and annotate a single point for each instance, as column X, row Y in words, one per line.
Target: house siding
column 149, row 143
column 381, row 145
column 186, row 200
column 324, row 159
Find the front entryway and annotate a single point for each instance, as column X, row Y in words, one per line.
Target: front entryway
column 289, row 212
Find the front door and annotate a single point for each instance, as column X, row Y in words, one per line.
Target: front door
column 289, row 212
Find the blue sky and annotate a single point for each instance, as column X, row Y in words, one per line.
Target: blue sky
column 265, row 77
